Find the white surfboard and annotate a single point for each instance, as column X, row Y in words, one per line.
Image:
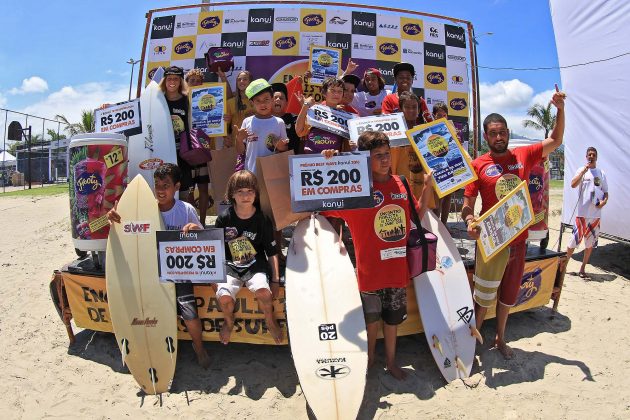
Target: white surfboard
column 142, row 309
column 325, row 321
column 156, row 144
column 446, row 306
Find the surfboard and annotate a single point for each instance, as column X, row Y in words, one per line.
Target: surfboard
column 446, row 306
column 156, row 144
column 142, row 310
column 325, row 321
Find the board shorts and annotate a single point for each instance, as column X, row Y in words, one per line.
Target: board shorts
column 234, row 284
column 500, row 276
column 186, row 302
column 587, row 229
column 200, row 174
column 187, row 181
column 389, row 304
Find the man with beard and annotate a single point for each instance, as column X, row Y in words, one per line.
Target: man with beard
column 499, row 171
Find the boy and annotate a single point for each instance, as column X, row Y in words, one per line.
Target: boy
column 249, row 241
column 177, row 215
column 262, row 133
column 380, row 238
column 280, row 102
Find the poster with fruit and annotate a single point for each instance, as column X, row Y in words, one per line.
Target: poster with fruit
column 207, row 105
column 98, row 177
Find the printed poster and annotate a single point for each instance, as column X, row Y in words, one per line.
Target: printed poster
column 207, row 104
column 505, row 221
column 439, row 150
column 341, row 182
column 324, row 62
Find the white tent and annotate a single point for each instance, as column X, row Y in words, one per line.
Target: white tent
column 593, row 52
column 7, row 159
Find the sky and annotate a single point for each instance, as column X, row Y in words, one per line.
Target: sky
column 59, row 57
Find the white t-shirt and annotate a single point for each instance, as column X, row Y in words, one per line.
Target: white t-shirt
column 592, row 188
column 179, row 216
column 265, row 132
column 366, row 103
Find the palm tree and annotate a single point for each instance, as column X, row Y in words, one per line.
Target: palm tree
column 85, row 126
column 542, row 118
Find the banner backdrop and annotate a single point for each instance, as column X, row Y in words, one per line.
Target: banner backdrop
column 274, row 43
column 596, row 32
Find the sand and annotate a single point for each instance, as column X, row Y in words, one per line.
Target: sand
column 572, row 366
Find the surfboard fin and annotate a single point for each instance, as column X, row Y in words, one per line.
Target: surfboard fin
column 125, row 349
column 437, row 345
column 475, row 333
column 460, row 366
column 153, row 376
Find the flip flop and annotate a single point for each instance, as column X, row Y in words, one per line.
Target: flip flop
column 582, row 275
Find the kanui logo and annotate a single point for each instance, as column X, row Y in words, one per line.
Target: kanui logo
column 388, row 48
column 340, row 45
column 364, row 23
column 333, row 371
column 336, row 20
column 341, row 41
column 434, row 55
column 314, row 19
column 210, row 22
column 183, row 47
column 147, row 322
column 412, row 29
column 260, row 20
column 235, row 41
column 163, row 27
column 455, row 36
column 134, row 228
column 286, row 42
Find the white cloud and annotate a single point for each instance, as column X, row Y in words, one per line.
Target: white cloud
column 70, row 100
column 542, row 98
column 3, row 100
column 33, row 84
column 504, row 95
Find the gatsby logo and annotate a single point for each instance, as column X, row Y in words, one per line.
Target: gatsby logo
column 435, row 78
column 183, row 47
column 286, row 42
column 458, row 104
column 412, row 29
column 313, row 20
column 388, row 48
column 88, row 183
column 494, row 170
column 535, row 183
column 210, row 22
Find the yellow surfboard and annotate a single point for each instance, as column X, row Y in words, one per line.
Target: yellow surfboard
column 142, row 310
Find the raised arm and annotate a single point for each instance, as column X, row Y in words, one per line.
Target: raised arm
column 555, row 138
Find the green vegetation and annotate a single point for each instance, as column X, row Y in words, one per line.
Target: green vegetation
column 38, row 191
column 556, row 184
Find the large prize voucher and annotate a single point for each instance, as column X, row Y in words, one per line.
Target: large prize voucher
column 393, row 125
column 207, row 104
column 197, row 256
column 439, row 150
column 505, row 221
column 341, row 182
column 329, row 119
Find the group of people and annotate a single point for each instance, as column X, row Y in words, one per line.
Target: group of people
column 260, row 126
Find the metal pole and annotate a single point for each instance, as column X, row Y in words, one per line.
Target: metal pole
column 133, row 63
column 476, row 99
column 4, row 149
column 30, row 177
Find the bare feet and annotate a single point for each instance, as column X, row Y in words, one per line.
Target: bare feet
column 202, row 357
column 396, row 372
column 504, row 349
column 276, row 331
column 226, row 331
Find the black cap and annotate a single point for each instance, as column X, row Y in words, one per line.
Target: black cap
column 404, row 66
column 352, row 78
column 174, row 70
column 280, row 87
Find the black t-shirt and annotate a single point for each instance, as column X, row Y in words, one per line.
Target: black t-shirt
column 248, row 242
column 289, row 123
column 179, row 116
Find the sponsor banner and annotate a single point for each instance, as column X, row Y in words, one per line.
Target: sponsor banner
column 331, row 120
column 434, row 97
column 393, row 125
column 363, row 46
column 454, row 54
column 439, row 150
column 411, row 29
column 204, row 43
column 412, row 52
column 339, row 21
column 210, row 23
column 237, row 41
column 313, row 20
column 434, row 55
column 260, row 20
column 163, row 27
column 287, row 20
column 186, row 24
column 455, row 36
column 235, row 20
column 259, row 43
column 160, row 49
column 364, row 23
column 342, row 42
column 341, row 182
column 308, row 39
column 457, row 104
column 124, row 117
column 197, row 256
column 388, row 49
column 505, row 221
column 434, row 32
column 435, row 78
column 325, row 62
column 285, row 43
column 207, row 106
column 457, row 76
column 388, row 26
column 183, row 48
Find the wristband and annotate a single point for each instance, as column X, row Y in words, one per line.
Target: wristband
column 276, row 282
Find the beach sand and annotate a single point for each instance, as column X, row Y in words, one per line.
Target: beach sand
column 573, row 366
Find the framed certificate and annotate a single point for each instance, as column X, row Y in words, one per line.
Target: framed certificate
column 324, row 62
column 439, row 150
column 207, row 107
column 505, row 221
